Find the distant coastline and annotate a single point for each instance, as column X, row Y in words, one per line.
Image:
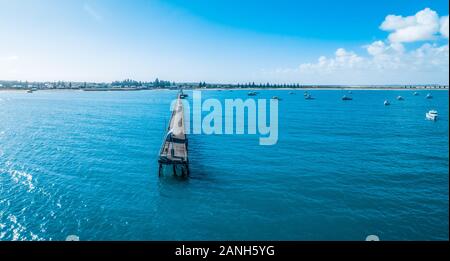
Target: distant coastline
column 107, row 89
column 132, row 85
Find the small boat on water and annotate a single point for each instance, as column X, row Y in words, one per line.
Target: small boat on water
column 346, row 98
column 308, row 97
column 386, row 103
column 305, row 94
column 429, row 96
column 400, row 98
column 30, row 91
column 183, row 95
column 276, row 98
column 415, row 93
column 251, row 94
column 291, row 92
column 431, row 115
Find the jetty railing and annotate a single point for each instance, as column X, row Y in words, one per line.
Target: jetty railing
column 174, row 149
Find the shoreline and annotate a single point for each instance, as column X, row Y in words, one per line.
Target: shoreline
column 234, row 89
column 323, row 89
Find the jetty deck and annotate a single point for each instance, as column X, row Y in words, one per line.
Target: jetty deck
column 174, row 151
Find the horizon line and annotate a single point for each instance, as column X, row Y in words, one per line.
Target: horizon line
column 248, row 83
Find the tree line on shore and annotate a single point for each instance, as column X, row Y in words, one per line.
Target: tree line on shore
column 157, row 83
column 132, row 83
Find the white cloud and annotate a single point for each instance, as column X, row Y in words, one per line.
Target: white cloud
column 424, row 25
column 386, row 62
column 385, row 56
column 342, row 59
column 430, row 57
column 444, row 26
column 376, row 48
column 379, row 48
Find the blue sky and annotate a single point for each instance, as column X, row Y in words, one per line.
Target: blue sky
column 310, row 42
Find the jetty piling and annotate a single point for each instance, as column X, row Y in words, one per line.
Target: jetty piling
column 174, row 149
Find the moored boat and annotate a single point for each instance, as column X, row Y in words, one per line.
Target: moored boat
column 431, row 115
column 308, row 97
column 346, row 98
column 183, row 95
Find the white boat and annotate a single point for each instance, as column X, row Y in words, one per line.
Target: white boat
column 431, row 115
column 415, row 93
column 346, row 98
column 386, row 103
column 429, row 96
column 400, row 98
column 308, row 97
column 182, row 94
column 275, row 98
column 251, row 94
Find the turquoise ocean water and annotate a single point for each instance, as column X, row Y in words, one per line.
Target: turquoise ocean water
column 85, row 163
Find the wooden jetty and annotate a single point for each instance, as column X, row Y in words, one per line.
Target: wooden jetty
column 174, row 149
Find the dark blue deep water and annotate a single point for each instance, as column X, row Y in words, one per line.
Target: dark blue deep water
column 85, row 163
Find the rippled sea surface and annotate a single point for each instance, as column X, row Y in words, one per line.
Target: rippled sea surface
column 85, row 164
